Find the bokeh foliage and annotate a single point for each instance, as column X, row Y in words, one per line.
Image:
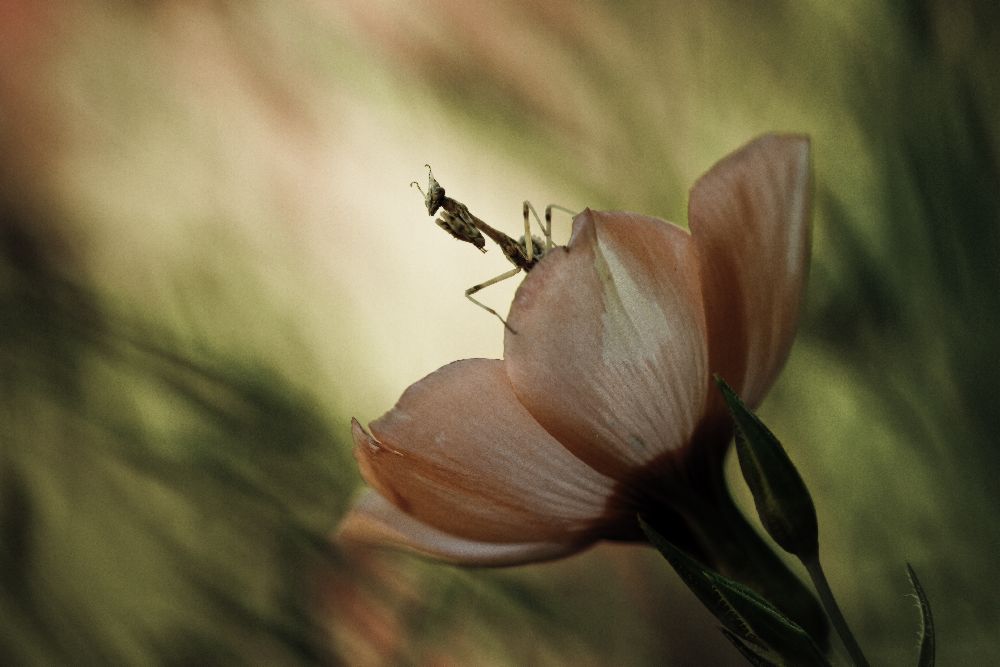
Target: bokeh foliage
column 160, row 504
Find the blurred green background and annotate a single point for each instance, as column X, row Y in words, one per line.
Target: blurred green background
column 210, row 260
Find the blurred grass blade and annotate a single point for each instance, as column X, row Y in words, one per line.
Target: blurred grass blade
column 927, row 642
column 781, row 497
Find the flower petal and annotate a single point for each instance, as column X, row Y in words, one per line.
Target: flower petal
column 461, row 454
column 610, row 353
column 749, row 218
column 374, row 520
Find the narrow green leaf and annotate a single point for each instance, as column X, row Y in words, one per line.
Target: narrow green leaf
column 927, row 642
column 774, row 629
column 693, row 574
column 754, row 658
column 744, row 613
column 783, row 502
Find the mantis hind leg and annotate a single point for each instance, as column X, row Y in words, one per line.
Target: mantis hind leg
column 545, row 226
column 546, row 229
column 548, row 222
column 492, row 281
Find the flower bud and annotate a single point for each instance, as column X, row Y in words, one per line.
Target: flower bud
column 783, row 503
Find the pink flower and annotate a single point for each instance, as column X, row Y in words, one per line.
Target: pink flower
column 603, row 405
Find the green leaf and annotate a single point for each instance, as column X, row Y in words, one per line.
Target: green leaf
column 783, row 502
column 692, row 573
column 748, row 616
column 927, row 642
column 774, row 629
column 751, row 656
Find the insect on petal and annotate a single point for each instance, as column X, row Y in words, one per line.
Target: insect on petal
column 609, row 354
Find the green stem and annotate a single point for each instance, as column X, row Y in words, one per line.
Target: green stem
column 833, row 610
column 697, row 513
column 739, row 552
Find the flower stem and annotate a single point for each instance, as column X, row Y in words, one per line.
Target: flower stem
column 829, row 603
column 737, row 550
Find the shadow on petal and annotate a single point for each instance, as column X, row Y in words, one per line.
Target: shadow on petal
column 374, row 520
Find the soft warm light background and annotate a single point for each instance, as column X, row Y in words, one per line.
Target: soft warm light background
column 212, row 260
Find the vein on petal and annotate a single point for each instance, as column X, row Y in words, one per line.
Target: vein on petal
column 486, row 471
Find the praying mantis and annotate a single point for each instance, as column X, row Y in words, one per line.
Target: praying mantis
column 456, row 219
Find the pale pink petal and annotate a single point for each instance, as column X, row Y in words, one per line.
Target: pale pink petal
column 609, row 353
column 374, row 520
column 461, row 454
column 749, row 217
